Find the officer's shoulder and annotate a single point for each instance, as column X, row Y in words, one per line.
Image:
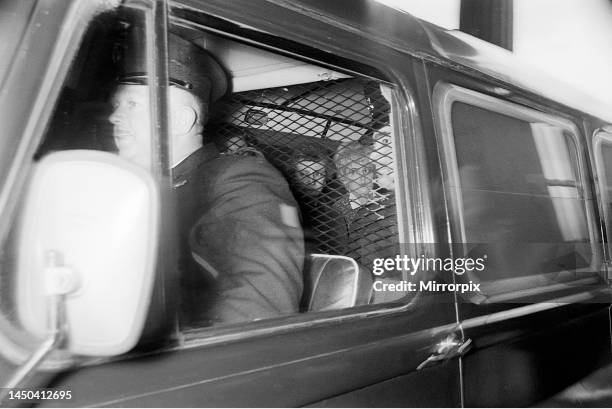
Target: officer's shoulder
column 247, row 161
column 246, row 152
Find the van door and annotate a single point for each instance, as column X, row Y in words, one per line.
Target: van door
column 520, row 196
column 392, row 349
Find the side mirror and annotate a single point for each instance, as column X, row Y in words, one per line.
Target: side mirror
column 87, row 251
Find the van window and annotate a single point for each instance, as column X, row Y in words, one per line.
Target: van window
column 329, row 137
column 515, row 179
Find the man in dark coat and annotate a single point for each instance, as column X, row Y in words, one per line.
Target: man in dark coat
column 240, row 243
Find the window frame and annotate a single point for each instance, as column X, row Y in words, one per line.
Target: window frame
column 600, row 137
column 407, row 137
column 444, row 96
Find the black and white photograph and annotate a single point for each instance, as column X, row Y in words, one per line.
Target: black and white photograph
column 320, row 203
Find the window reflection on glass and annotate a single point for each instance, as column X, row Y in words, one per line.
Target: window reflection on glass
column 554, row 155
column 522, row 204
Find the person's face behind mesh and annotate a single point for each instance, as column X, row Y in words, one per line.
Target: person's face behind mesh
column 358, row 177
column 310, row 175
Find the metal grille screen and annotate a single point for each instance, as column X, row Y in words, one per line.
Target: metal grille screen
column 331, row 141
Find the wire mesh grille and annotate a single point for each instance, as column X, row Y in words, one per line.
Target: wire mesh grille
column 331, row 141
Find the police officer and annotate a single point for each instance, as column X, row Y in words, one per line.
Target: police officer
column 241, row 244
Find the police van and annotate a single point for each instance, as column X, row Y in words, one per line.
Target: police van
column 475, row 271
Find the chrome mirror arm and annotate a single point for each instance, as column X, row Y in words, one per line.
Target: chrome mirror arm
column 58, row 284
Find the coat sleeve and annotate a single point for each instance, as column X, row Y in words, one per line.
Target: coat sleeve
column 251, row 236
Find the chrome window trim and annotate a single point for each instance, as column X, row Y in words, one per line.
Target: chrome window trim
column 444, row 96
column 528, row 292
column 580, row 297
column 601, row 137
column 420, row 227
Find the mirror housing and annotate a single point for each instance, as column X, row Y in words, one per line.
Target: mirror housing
column 88, row 234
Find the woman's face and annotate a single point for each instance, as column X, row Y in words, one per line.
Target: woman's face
column 310, row 175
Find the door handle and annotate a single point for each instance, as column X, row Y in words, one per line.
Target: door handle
column 449, row 347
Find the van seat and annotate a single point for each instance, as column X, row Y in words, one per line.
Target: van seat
column 333, row 282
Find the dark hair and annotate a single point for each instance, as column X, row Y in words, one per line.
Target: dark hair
column 318, row 157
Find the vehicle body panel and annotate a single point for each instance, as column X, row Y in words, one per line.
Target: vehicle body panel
column 292, row 369
column 368, row 357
